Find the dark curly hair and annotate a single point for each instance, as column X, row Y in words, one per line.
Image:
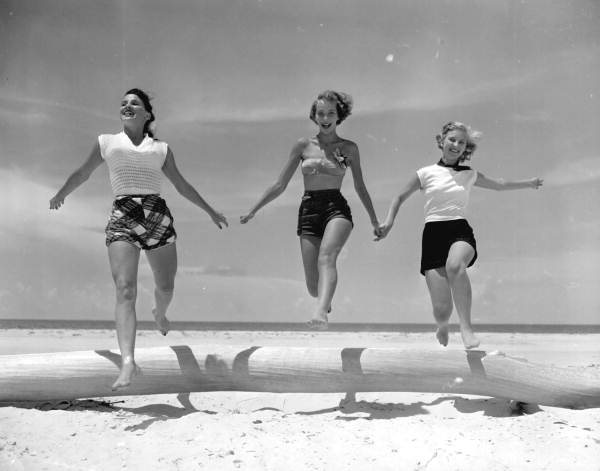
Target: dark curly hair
column 472, row 137
column 343, row 104
column 142, row 95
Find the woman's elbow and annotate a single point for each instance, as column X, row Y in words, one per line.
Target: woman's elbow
column 81, row 175
column 501, row 185
column 277, row 188
column 183, row 188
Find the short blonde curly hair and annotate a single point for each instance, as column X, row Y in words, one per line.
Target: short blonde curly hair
column 473, row 137
column 343, row 104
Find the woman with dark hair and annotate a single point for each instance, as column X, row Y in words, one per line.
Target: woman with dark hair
column 324, row 218
column 140, row 218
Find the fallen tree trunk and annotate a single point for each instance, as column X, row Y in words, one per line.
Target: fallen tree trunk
column 181, row 369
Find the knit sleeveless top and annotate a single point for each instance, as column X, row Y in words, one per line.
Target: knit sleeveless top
column 133, row 170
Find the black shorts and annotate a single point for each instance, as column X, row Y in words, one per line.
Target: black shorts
column 438, row 237
column 318, row 208
column 144, row 221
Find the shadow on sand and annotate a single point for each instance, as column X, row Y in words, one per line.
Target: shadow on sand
column 491, row 407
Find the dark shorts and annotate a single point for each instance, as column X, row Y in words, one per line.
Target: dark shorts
column 144, row 221
column 438, row 236
column 318, row 208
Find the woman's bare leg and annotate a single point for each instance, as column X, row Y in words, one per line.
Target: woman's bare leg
column 441, row 301
column 163, row 262
column 309, row 247
column 336, row 234
column 124, row 258
column 460, row 255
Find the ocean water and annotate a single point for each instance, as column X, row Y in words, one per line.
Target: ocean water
column 293, row 326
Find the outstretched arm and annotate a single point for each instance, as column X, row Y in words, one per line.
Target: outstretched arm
column 413, row 185
column 499, row 184
column 78, row 177
column 282, row 181
column 359, row 184
column 186, row 190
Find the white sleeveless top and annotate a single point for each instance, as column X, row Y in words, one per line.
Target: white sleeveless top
column 446, row 191
column 133, row 170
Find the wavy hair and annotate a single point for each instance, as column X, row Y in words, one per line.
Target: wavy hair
column 473, row 137
column 142, row 95
column 343, row 104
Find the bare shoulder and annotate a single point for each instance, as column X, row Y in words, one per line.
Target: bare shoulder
column 300, row 146
column 303, row 143
column 349, row 146
column 350, row 149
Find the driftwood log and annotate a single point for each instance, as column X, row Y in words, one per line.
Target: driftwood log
column 182, row 369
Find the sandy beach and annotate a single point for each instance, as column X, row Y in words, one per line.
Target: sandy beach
column 268, row 431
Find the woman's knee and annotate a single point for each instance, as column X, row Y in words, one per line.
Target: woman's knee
column 126, row 289
column 455, row 268
column 166, row 286
column 328, row 257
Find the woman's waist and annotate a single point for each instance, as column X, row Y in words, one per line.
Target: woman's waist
column 142, row 199
column 322, row 195
column 445, row 214
column 137, row 195
column 322, row 191
column 136, row 184
column 322, row 181
column 448, row 224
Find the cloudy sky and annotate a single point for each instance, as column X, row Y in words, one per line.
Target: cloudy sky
column 232, row 83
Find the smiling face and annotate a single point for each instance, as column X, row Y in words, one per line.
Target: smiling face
column 326, row 116
column 133, row 112
column 454, row 144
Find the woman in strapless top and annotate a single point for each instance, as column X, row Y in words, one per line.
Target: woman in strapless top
column 324, row 217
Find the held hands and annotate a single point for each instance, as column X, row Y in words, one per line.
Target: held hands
column 382, row 231
column 377, row 230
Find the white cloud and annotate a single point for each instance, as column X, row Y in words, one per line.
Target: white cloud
column 24, row 116
column 533, row 116
column 224, row 114
column 424, row 95
column 569, row 172
column 439, row 94
column 27, row 213
column 30, row 106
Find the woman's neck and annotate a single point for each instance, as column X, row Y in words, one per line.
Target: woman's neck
column 136, row 135
column 450, row 164
column 327, row 138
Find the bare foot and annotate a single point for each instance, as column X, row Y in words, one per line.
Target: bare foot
column 469, row 339
column 128, row 371
column 162, row 323
column 318, row 322
column 442, row 334
column 348, row 404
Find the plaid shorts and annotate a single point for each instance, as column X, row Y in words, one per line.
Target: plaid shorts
column 144, row 221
